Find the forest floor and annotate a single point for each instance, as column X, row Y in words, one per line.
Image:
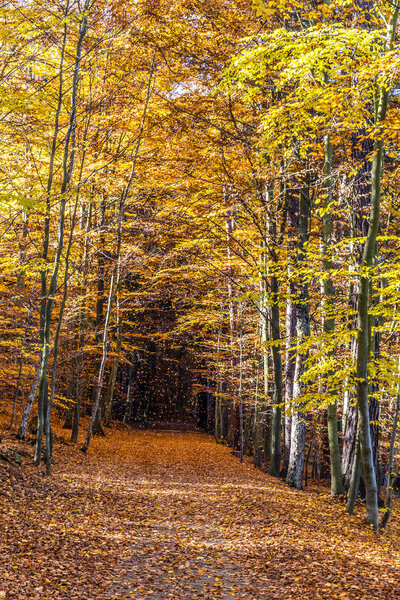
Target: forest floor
column 173, row 515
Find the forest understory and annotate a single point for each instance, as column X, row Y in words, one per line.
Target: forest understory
column 173, row 515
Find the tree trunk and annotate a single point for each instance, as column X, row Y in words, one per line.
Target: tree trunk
column 81, row 334
column 389, row 486
column 355, row 476
column 240, row 391
column 99, row 385
column 275, row 336
column 292, row 202
column 48, row 295
column 329, row 323
column 349, row 444
column 28, row 408
column 363, row 348
column 257, row 430
column 234, row 421
column 97, row 427
column 113, row 374
column 298, row 430
column 278, row 385
column 290, row 366
column 130, row 398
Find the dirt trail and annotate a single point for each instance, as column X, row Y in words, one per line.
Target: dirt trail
column 172, row 515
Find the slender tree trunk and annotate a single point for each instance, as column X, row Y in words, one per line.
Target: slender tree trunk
column 47, row 427
column 290, row 366
column 130, row 398
column 81, row 334
column 265, row 369
column 234, row 421
column 355, row 476
column 48, row 296
column 329, row 323
column 43, row 329
column 349, row 444
column 99, row 385
column 298, row 431
column 241, row 424
column 278, row 384
column 291, row 317
column 218, row 403
column 100, row 282
column 113, row 374
column 362, row 365
column 389, row 486
column 257, row 446
column 275, row 336
column 16, row 394
column 363, row 349
column 31, row 399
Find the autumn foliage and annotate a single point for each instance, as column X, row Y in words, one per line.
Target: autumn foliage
column 199, row 223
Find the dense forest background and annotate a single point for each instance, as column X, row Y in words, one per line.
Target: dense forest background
column 200, row 220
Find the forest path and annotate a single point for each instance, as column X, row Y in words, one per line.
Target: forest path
column 167, row 515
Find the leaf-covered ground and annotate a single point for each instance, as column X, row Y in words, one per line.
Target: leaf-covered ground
column 172, row 515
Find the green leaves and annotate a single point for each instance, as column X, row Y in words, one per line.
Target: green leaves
column 308, row 81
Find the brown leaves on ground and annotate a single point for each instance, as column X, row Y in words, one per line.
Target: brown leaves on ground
column 175, row 516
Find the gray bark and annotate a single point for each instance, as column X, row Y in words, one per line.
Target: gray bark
column 389, row 486
column 278, row 384
column 113, row 374
column 28, row 407
column 349, row 443
column 329, row 323
column 298, row 431
column 275, row 336
column 99, row 385
column 363, row 349
column 355, row 476
column 290, row 366
column 292, row 202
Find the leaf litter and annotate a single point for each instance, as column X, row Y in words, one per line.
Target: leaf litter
column 173, row 515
